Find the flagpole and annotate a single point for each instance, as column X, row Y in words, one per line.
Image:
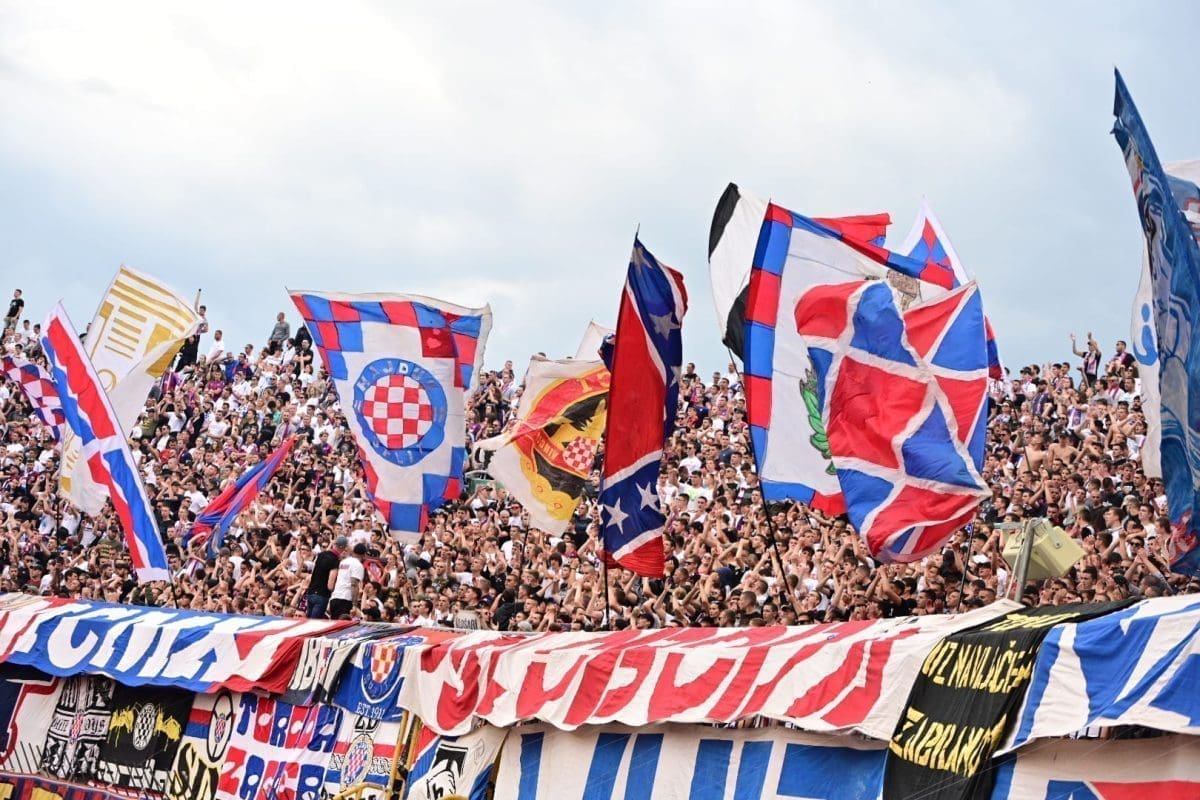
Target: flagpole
column 766, row 508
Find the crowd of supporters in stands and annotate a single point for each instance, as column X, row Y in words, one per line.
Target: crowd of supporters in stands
column 1064, row 441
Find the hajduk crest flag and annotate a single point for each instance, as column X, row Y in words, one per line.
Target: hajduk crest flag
column 102, row 445
column 647, row 363
column 402, row 365
column 903, row 400
column 1175, row 272
column 545, row 460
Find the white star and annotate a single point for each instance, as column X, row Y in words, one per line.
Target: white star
column 676, row 374
column 616, row 516
column 664, row 323
column 648, row 495
column 639, row 258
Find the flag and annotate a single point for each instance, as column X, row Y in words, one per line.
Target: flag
column 1175, row 269
column 903, row 401
column 402, row 365
column 545, row 460
column 102, row 445
column 139, row 326
column 210, row 527
column 1183, row 177
column 927, row 242
column 643, row 398
column 39, row 390
column 593, row 338
column 736, row 224
column 795, row 253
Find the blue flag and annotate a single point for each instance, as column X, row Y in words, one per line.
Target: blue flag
column 1175, row 271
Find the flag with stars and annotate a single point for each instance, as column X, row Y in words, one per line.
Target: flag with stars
column 643, row 396
column 402, row 366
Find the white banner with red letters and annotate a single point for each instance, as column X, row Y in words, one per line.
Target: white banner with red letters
column 849, row 676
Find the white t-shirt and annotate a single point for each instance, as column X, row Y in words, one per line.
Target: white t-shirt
column 349, row 570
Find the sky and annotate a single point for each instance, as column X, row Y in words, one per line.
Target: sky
column 506, row 153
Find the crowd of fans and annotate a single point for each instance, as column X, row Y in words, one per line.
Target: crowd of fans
column 1063, row 442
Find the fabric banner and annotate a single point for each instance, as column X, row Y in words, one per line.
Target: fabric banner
column 25, row 787
column 324, row 658
column 144, row 734
column 78, row 728
column 277, row 749
column 647, row 363
column 1163, row 768
column 678, row 761
column 140, row 325
column 139, row 645
column 1175, row 267
column 103, row 448
column 201, row 754
column 903, row 405
column 593, row 338
column 364, row 752
column 370, row 684
column 1138, row 666
column 847, row 676
column 28, row 698
column 448, row 766
column 402, row 366
column 964, row 701
column 545, row 459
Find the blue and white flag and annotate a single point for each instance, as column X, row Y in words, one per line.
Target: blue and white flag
column 1183, row 176
column 402, row 366
column 1175, row 268
column 454, row 766
column 686, row 761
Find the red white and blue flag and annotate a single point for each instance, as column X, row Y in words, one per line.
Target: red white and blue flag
column 402, row 366
column 927, row 242
column 643, row 397
column 210, row 527
column 39, row 390
column 903, row 401
column 103, row 448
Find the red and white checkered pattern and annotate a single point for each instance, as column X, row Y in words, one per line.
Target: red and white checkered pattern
column 398, row 411
column 580, row 454
column 39, row 388
column 384, row 658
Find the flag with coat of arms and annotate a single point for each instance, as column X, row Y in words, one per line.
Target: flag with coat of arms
column 402, row 366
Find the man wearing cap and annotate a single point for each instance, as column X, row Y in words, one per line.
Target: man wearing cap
column 348, row 583
column 324, row 574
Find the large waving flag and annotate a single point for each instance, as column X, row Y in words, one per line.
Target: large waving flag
column 402, row 365
column 1184, row 178
column 732, row 238
column 643, row 398
column 904, row 404
column 102, row 445
column 1175, row 269
column 545, row 460
column 138, row 328
column 39, row 390
column 214, row 521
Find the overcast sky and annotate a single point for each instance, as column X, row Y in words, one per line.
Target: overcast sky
column 506, row 153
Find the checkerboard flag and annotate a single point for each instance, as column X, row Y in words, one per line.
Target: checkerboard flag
column 402, row 365
column 38, row 386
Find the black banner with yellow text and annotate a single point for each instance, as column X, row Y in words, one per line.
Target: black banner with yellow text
column 960, row 708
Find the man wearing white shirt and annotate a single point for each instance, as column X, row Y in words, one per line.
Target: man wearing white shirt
column 217, row 351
